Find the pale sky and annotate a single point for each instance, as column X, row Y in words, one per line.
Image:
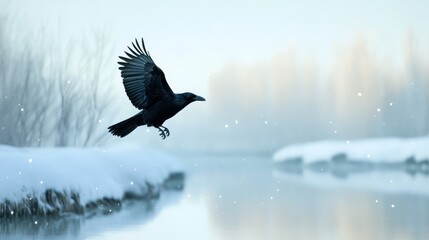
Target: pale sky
column 191, row 39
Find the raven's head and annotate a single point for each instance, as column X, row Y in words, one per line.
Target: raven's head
column 190, row 97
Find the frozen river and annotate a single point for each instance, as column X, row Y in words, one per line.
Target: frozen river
column 247, row 197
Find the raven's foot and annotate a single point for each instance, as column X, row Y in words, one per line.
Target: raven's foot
column 163, row 132
column 166, row 131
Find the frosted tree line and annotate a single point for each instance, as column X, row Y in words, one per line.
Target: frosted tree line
column 291, row 98
column 51, row 93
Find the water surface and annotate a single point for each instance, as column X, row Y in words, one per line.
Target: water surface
column 247, row 197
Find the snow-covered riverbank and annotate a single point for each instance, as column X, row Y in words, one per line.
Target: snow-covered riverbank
column 56, row 181
column 386, row 165
column 372, row 150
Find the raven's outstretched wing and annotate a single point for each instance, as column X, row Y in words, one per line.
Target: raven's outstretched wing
column 144, row 82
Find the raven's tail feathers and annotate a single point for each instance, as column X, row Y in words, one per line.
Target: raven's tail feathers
column 125, row 127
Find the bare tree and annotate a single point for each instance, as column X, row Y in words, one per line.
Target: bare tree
column 52, row 97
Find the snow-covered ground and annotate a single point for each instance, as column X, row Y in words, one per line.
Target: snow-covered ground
column 39, row 181
column 372, row 150
column 387, row 165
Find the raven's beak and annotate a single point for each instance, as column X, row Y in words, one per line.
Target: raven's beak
column 198, row 98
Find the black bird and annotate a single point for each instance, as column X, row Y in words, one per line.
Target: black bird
column 148, row 90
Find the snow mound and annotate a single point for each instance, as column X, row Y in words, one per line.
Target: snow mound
column 372, row 150
column 388, row 165
column 53, row 181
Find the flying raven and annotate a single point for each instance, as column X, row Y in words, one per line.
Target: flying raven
column 148, row 90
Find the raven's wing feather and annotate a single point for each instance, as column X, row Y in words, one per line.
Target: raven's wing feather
column 144, row 82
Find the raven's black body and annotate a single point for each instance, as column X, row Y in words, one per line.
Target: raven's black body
column 148, row 90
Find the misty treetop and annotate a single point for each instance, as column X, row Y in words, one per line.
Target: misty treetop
column 51, row 95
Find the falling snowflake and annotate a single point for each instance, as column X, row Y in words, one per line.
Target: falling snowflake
column 30, row 160
column 359, row 94
column 226, row 126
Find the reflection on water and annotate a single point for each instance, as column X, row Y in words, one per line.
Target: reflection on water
column 247, row 198
column 77, row 227
column 239, row 197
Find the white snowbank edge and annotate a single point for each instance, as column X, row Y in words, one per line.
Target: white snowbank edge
column 375, row 150
column 93, row 173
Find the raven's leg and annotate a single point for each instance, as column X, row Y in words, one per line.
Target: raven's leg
column 166, row 131
column 161, row 133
